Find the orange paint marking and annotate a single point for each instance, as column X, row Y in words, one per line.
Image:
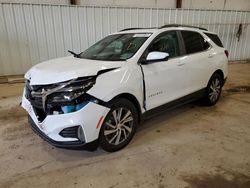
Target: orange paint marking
column 99, row 122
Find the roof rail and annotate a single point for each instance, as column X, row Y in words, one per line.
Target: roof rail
column 127, row 29
column 165, row 26
column 180, row 25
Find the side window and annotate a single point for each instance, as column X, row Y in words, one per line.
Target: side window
column 215, row 39
column 194, row 42
column 204, row 43
column 166, row 42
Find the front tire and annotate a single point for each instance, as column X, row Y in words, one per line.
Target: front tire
column 213, row 90
column 119, row 126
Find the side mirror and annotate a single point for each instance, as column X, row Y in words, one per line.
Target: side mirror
column 156, row 57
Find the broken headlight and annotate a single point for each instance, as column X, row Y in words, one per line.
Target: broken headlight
column 71, row 97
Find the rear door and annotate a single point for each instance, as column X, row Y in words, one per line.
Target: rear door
column 199, row 55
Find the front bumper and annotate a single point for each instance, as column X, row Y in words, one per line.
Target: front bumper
column 87, row 117
column 91, row 146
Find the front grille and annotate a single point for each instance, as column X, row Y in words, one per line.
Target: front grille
column 40, row 96
column 36, row 102
column 70, row 132
column 40, row 114
column 27, row 90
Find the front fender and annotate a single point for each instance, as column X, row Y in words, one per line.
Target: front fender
column 122, row 80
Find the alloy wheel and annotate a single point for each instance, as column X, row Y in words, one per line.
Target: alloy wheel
column 119, row 126
column 214, row 90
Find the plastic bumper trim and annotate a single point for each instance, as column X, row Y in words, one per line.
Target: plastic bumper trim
column 74, row 145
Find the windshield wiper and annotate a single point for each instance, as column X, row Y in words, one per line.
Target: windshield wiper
column 73, row 53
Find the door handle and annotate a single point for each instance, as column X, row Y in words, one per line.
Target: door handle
column 181, row 64
column 210, row 55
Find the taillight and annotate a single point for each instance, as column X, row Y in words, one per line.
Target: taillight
column 226, row 52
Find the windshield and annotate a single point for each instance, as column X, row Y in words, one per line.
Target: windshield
column 117, row 47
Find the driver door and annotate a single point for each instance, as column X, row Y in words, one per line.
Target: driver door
column 164, row 80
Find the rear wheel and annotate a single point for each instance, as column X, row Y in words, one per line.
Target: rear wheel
column 213, row 90
column 119, row 126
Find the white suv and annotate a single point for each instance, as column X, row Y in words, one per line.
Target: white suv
column 98, row 97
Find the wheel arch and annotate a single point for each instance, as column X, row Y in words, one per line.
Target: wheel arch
column 220, row 72
column 132, row 99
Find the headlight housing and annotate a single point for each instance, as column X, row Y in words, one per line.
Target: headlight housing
column 72, row 97
column 71, row 92
column 61, row 97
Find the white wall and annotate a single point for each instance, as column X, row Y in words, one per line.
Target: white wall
column 30, row 34
column 56, row 2
column 131, row 3
column 191, row 4
column 217, row 4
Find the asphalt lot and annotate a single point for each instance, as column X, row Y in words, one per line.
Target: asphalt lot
column 192, row 146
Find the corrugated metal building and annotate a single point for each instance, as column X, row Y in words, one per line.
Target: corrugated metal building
column 31, row 33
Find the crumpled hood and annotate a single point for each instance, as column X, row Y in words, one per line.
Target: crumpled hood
column 66, row 68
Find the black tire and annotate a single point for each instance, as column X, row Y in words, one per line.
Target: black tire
column 112, row 127
column 213, row 90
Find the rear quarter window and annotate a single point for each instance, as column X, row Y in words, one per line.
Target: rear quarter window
column 194, row 42
column 215, row 39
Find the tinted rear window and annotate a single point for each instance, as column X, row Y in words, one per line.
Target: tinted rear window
column 215, row 39
column 194, row 42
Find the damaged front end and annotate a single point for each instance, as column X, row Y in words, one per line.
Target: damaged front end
column 60, row 98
